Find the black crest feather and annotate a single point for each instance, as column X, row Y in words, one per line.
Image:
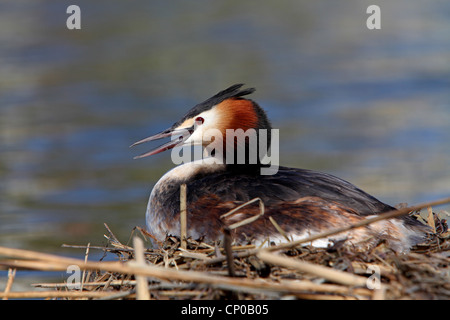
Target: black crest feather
column 234, row 91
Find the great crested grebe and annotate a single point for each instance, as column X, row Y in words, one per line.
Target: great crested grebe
column 302, row 202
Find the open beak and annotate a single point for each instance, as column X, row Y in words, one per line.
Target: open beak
column 178, row 138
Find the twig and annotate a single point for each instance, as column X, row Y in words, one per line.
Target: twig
column 193, row 255
column 112, row 236
column 55, row 294
column 84, row 271
column 86, row 284
column 248, row 220
column 11, row 275
column 146, row 233
column 430, row 219
column 279, row 229
column 244, row 284
column 300, row 288
column 75, row 246
column 228, row 251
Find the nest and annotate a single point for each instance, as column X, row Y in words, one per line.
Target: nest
column 196, row 270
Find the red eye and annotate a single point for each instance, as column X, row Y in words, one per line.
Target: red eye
column 199, row 120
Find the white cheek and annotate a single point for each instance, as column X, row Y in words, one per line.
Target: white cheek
column 211, row 117
column 196, row 138
column 203, row 133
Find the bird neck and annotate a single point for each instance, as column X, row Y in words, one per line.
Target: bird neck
column 247, row 137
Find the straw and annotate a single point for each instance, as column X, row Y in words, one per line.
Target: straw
column 198, row 271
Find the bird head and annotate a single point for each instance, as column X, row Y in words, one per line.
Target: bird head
column 215, row 119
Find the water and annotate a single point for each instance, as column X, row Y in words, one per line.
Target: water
column 370, row 106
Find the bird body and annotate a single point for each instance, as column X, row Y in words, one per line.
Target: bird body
column 302, row 202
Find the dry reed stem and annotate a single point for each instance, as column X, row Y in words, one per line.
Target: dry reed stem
column 183, row 217
column 83, row 276
column 248, row 220
column 284, row 285
column 56, row 294
column 11, row 275
column 141, row 281
column 243, row 284
column 327, row 273
column 379, row 294
column 300, row 288
column 312, row 296
column 430, row 219
column 228, row 251
column 111, row 283
column 279, row 229
column 193, row 255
